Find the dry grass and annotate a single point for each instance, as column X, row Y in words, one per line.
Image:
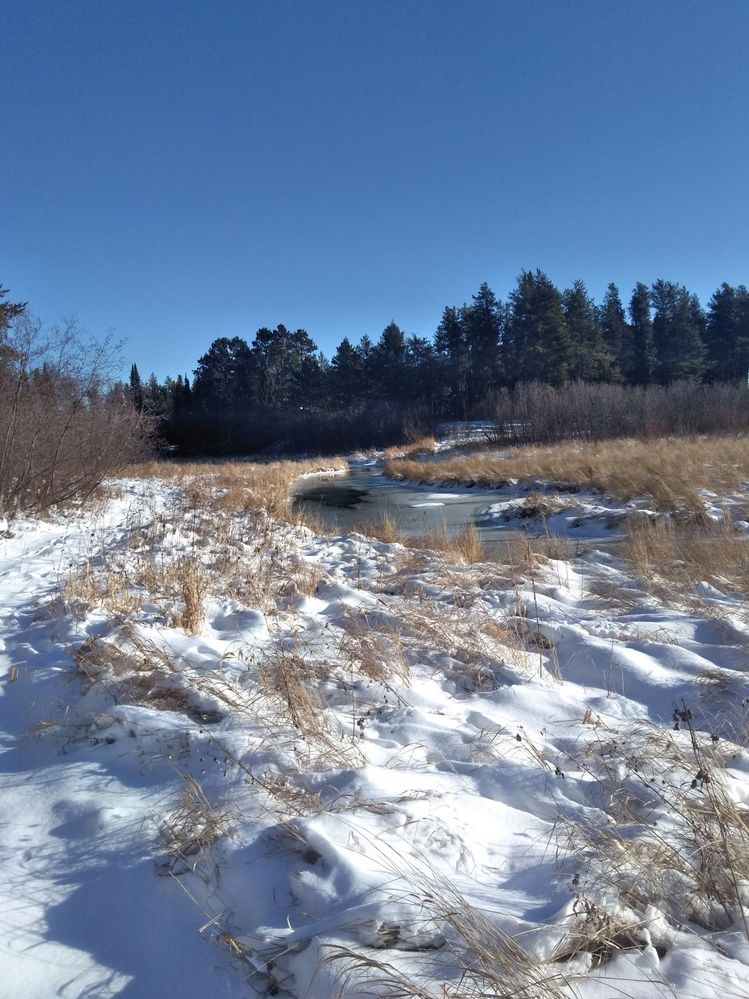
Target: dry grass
column 669, row 471
column 465, row 546
column 193, row 826
column 238, row 486
column 600, row 934
column 384, row 529
column 487, row 961
column 372, row 650
column 108, row 588
column 672, row 559
column 132, row 671
column 419, row 446
column 293, row 682
column 679, row 840
column 192, row 581
column 462, row 547
column 478, row 643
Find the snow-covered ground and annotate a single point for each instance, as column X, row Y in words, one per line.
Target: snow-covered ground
column 240, row 759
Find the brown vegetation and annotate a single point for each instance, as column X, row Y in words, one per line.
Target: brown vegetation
column 669, row 471
column 238, row 486
column 64, row 426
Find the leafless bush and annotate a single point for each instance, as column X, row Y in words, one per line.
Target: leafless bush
column 533, row 413
column 64, row 426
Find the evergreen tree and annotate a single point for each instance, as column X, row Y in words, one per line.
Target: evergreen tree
column 222, row 393
column 422, row 374
column 155, row 396
column 639, row 361
column 310, row 381
column 727, row 334
column 388, row 363
column 345, row 376
column 450, row 345
column 136, row 388
column 590, row 359
column 676, row 333
column 8, row 312
column 482, row 323
column 280, row 356
column 536, row 344
column 365, row 351
column 616, row 333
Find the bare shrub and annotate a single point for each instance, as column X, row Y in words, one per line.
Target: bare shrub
column 542, row 414
column 64, row 426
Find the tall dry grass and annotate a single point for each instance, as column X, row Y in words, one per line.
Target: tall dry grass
column 669, row 471
column 677, row 841
column 672, row 557
column 238, row 486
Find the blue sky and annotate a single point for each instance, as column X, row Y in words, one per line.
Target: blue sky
column 177, row 171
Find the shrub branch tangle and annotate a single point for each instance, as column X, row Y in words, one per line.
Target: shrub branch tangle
column 63, row 425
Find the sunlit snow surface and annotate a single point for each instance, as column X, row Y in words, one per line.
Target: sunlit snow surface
column 456, row 780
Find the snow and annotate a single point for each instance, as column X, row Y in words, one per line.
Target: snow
column 457, row 778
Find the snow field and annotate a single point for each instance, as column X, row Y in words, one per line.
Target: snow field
column 354, row 767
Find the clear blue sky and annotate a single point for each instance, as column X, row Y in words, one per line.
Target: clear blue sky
column 180, row 170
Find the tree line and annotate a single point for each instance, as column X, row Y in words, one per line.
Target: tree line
column 280, row 389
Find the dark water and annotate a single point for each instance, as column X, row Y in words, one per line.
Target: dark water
column 366, row 495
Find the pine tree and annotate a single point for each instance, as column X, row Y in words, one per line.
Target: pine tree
column 727, row 334
column 422, row 381
column 639, row 361
column 536, row 344
column 591, row 360
column 482, row 324
column 676, row 333
column 136, row 388
column 223, row 394
column 450, row 345
column 279, row 356
column 388, row 363
column 616, row 333
column 365, row 351
column 345, row 376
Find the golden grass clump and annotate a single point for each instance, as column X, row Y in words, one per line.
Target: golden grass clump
column 193, row 826
column 672, row 557
column 373, row 650
column 669, row 471
column 384, row 529
column 287, row 677
column 237, row 486
column 108, row 587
